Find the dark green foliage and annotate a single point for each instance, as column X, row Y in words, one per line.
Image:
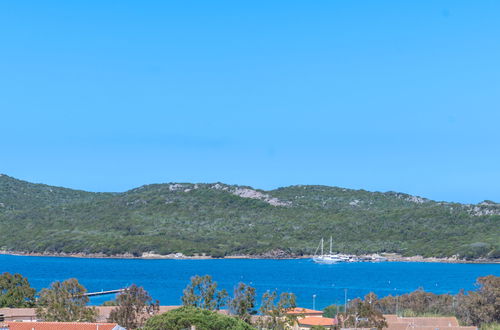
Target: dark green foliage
column 333, row 310
column 21, row 195
column 211, row 219
column 202, row 319
column 476, row 250
column 110, row 303
column 15, row 291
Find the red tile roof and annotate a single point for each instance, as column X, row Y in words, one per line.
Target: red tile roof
column 317, row 321
column 424, row 323
column 29, row 314
column 59, row 326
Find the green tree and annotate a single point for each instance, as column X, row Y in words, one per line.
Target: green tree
column 135, row 306
column 202, row 292
column 188, row 316
column 243, row 302
column 274, row 315
column 333, row 310
column 65, row 302
column 110, row 303
column 15, row 291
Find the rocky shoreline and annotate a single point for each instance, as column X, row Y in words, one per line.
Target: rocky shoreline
column 275, row 254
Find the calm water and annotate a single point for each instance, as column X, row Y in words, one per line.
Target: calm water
column 165, row 279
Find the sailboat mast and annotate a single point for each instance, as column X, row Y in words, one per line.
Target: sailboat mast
column 322, row 246
column 331, row 241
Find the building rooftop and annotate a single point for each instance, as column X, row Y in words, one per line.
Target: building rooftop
column 61, row 326
column 8, row 312
column 300, row 310
column 395, row 322
column 29, row 314
column 323, row 321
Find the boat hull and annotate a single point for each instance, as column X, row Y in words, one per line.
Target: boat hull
column 326, row 260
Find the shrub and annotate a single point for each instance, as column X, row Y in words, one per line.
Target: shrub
column 202, row 319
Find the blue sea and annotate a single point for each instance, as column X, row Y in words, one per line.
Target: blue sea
column 165, row 279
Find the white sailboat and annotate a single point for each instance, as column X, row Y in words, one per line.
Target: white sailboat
column 329, row 258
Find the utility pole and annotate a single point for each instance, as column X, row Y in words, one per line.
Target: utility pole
column 397, row 305
column 345, row 301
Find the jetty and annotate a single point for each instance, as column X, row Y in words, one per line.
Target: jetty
column 102, row 293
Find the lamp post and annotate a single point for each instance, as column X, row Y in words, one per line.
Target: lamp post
column 314, row 301
column 345, row 301
column 397, row 303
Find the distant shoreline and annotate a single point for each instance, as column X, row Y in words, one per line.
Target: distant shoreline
column 151, row 256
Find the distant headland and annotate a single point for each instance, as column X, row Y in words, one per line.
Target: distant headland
column 205, row 220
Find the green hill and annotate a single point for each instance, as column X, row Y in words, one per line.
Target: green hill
column 21, row 195
column 219, row 219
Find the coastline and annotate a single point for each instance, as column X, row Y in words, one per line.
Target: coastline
column 391, row 257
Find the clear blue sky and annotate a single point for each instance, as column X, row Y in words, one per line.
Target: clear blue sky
column 379, row 95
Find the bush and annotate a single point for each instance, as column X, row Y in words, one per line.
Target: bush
column 185, row 317
column 475, row 250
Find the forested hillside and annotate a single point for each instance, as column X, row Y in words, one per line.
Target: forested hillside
column 219, row 219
